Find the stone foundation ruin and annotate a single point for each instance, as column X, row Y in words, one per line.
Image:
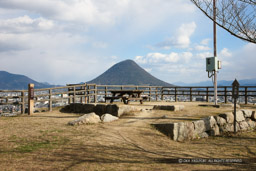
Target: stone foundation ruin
column 209, row 126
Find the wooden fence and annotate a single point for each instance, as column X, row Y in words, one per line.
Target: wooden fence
column 91, row 93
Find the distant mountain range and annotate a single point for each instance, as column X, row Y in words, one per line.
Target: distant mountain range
column 245, row 82
column 127, row 73
column 123, row 73
column 10, row 81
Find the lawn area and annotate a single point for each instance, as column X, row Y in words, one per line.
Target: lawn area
column 44, row 141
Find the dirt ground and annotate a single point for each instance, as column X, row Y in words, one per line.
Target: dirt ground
column 44, row 141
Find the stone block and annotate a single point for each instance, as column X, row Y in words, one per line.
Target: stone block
column 247, row 113
column 240, row 116
column 211, row 126
column 90, row 118
column 100, row 109
column 112, row 109
column 251, row 124
column 108, row 118
column 169, row 129
column 243, row 126
column 126, row 110
column 169, row 107
column 199, row 126
column 229, row 117
column 253, row 117
column 220, row 121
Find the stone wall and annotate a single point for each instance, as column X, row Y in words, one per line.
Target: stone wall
column 209, row 126
column 99, row 109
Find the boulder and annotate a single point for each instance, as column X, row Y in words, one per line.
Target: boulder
column 199, row 126
column 220, row 121
column 253, row 117
column 229, row 117
column 239, row 116
column 126, row 110
column 100, row 109
column 203, row 135
column 108, row 118
column 229, row 127
column 90, row 118
column 250, row 123
column 247, row 113
column 112, row 109
column 243, row 126
column 169, row 129
column 211, row 126
column 169, row 107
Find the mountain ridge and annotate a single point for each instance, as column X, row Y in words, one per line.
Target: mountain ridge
column 9, row 81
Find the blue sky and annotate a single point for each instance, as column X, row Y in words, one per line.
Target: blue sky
column 71, row 41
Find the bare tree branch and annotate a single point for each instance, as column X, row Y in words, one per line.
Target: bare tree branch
column 238, row 17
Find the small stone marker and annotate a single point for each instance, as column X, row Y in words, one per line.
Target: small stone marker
column 235, row 95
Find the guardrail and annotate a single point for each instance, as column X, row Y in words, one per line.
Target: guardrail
column 17, row 100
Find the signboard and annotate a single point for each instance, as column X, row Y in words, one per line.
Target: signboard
column 235, row 89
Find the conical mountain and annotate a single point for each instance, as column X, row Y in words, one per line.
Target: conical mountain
column 127, row 73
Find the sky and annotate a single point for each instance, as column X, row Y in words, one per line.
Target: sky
column 72, row 41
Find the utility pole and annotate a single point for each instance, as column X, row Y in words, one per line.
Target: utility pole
column 215, row 51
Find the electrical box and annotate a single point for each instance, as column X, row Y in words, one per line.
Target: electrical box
column 213, row 64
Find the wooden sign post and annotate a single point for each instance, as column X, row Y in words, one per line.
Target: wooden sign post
column 30, row 99
column 235, row 95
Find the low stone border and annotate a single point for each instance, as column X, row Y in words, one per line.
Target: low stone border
column 169, row 107
column 209, row 126
column 99, row 109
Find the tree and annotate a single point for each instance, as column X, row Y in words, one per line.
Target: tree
column 238, row 17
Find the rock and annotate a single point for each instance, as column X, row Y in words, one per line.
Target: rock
column 90, row 118
column 211, row 126
column 220, row 121
column 229, row 127
column 250, row 123
column 203, row 135
column 100, row 109
column 199, row 127
column 243, row 125
column 112, row 109
column 169, row 129
column 169, row 107
column 229, row 117
column 239, row 116
column 126, row 110
column 247, row 113
column 108, row 118
column 253, row 117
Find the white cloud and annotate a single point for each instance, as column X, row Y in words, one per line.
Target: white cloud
column 181, row 39
column 164, row 58
column 225, row 53
column 205, row 42
column 202, row 48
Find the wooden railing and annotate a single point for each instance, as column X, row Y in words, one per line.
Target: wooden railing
column 91, row 93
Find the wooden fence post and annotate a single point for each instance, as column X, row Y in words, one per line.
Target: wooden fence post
column 162, row 94
column 207, row 94
column 30, row 99
column 50, row 100
column 95, row 93
column 74, row 95
column 23, row 102
column 106, row 93
column 225, row 94
column 245, row 95
column 150, row 94
column 190, row 93
column 175, row 93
